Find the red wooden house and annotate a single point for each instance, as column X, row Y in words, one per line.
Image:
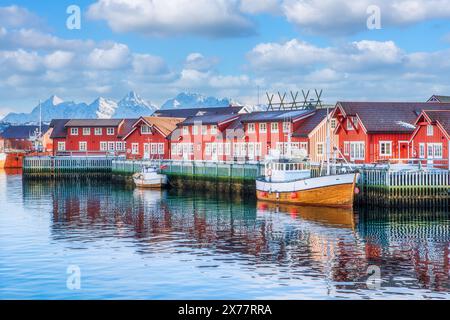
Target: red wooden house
column 148, row 137
column 203, row 138
column 89, row 136
column 430, row 139
column 372, row 132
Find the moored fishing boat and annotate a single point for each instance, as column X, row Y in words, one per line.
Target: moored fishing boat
column 290, row 181
column 150, row 177
column 2, row 160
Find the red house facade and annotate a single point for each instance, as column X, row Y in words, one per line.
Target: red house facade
column 89, row 136
column 371, row 132
column 430, row 141
column 149, row 138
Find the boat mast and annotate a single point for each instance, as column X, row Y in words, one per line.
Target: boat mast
column 328, row 144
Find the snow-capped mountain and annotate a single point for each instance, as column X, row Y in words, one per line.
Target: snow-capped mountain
column 53, row 108
column 131, row 106
column 195, row 100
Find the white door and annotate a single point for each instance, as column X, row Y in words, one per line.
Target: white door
column 146, row 150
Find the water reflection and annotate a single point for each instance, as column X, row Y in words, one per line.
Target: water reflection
column 302, row 248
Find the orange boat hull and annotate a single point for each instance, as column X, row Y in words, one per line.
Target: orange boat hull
column 330, row 196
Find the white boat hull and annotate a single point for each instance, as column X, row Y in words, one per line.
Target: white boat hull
column 150, row 181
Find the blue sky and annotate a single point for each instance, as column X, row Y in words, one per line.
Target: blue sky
column 222, row 48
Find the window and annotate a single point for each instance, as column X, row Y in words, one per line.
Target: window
column 146, row 129
column 98, row 131
column 304, row 146
column 258, row 149
column 103, row 146
column 110, row 131
column 274, row 127
column 120, row 146
column 320, row 149
column 333, row 123
column 262, row 128
column 74, row 131
column 430, row 130
column 251, row 150
column 86, row 131
column 154, row 148
column 227, row 149
column 251, row 128
column 111, row 146
column 185, row 130
column 213, row 129
column 434, row 150
column 195, row 130
column 286, row 127
column 135, row 148
column 422, row 150
column 204, row 130
column 61, row 146
column 346, row 148
column 352, row 123
column 82, row 146
column 357, row 151
column 208, row 149
column 173, row 148
column 385, row 148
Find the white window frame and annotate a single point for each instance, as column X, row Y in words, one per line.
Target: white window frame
column 333, row 123
column 160, row 148
column 86, row 131
column 147, row 130
column 251, row 128
column 135, row 148
column 82, row 143
column 357, row 150
column 204, row 130
column 73, row 131
column 434, row 148
column 274, row 127
column 98, row 131
column 103, row 146
column 111, row 146
column 208, row 149
column 120, row 146
column 185, row 130
column 386, row 144
column 346, row 148
column 349, row 124
column 227, row 149
column 195, row 130
column 61, row 146
column 213, row 129
column 263, row 127
column 286, row 127
column 110, row 131
column 430, row 130
column 422, row 150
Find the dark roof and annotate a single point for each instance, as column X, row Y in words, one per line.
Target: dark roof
column 186, row 113
column 208, row 119
column 444, row 99
column 21, row 132
column 93, row 122
column 270, row 116
column 389, row 116
column 310, row 123
column 59, row 129
column 441, row 116
column 126, row 127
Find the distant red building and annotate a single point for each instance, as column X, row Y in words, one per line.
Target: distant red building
column 378, row 131
column 430, row 139
column 90, row 136
column 148, row 137
column 23, row 138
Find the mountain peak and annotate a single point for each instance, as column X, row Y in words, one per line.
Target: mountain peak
column 194, row 100
column 54, row 100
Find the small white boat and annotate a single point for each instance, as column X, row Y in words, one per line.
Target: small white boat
column 150, row 177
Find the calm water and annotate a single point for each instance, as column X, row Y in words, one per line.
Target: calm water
column 151, row 245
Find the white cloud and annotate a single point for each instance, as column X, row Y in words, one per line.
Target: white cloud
column 149, row 64
column 114, row 57
column 59, row 59
column 15, row 16
column 260, row 6
column 212, row 18
column 347, row 16
column 197, row 61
